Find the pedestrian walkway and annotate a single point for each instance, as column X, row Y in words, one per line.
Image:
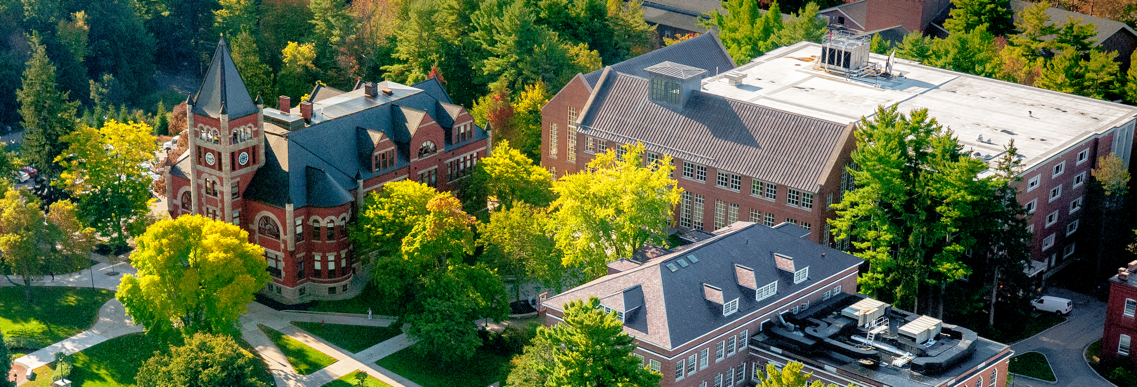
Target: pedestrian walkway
column 113, row 322
column 106, row 276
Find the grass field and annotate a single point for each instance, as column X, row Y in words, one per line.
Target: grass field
column 359, row 304
column 349, row 337
column 54, row 314
column 1032, row 364
column 1025, row 327
column 485, row 368
column 304, row 359
column 349, row 381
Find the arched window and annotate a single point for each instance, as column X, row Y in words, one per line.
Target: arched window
column 994, row 376
column 980, row 382
column 268, row 227
column 426, row 149
column 187, row 201
column 315, row 229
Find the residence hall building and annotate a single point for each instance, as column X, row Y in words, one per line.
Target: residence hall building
column 1121, row 315
column 294, row 177
column 709, row 313
column 735, row 160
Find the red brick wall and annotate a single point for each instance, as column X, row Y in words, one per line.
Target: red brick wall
column 914, row 15
column 555, row 112
column 1116, row 324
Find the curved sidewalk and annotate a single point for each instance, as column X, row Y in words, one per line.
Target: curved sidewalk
column 113, row 322
column 1063, row 344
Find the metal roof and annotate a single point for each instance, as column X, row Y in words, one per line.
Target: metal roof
column 223, row 91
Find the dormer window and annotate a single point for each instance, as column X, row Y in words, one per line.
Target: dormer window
column 801, row 275
column 767, row 291
column 663, row 90
column 384, row 160
column 619, row 314
column 426, row 149
column 730, row 307
column 465, row 132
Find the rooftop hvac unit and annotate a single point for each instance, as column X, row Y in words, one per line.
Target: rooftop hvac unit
column 734, row 77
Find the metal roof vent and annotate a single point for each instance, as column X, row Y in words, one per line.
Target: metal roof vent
column 692, row 258
column 682, row 262
column 672, row 267
column 734, row 77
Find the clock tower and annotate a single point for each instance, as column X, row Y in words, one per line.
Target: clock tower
column 226, row 140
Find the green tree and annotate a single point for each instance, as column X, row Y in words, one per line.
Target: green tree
column 1095, row 77
column 915, row 47
column 204, row 360
column 612, row 209
column 633, row 36
column 103, row 170
column 1110, row 185
column 195, row 274
column 1061, row 73
column 878, row 46
column 1129, row 91
column 121, row 45
column 74, row 35
column 509, row 177
column 532, row 367
column 789, row 376
column 234, row 17
column 1035, row 32
column 48, row 114
column 804, row 26
column 968, row 15
column 745, row 30
column 247, row 58
column 331, row 22
column 914, row 210
column 5, row 363
column 35, row 244
column 297, row 74
column 968, row 52
column 527, row 119
column 422, row 40
column 389, row 216
column 279, row 23
column 592, row 350
column 514, row 51
column 518, row 246
column 1075, row 35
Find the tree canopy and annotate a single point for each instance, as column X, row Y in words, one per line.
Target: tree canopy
column 789, row 376
column 195, row 274
column 36, row 244
column 48, row 113
column 204, row 360
column 748, row 32
column 967, row 15
column 590, row 349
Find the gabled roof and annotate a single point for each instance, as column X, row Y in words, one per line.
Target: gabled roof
column 703, row 51
column 736, row 136
column 223, row 91
column 676, row 309
column 323, row 191
column 1104, row 28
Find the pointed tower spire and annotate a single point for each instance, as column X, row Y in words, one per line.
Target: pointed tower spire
column 223, row 88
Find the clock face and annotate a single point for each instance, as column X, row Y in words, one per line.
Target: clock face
column 243, row 158
column 209, row 159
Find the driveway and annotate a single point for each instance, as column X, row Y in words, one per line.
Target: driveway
column 1063, row 344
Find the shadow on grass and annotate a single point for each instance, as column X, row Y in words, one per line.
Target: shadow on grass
column 304, row 359
column 1032, row 364
column 349, row 337
column 350, row 381
column 54, row 314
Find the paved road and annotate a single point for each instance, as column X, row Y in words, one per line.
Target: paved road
column 1063, row 344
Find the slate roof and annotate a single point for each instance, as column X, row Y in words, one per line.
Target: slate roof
column 1104, row 28
column 674, row 308
column 675, row 70
column 854, row 12
column 319, row 165
column 741, row 137
column 703, row 51
column 223, row 91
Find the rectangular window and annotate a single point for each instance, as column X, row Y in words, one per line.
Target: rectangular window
column 1072, row 227
column 730, row 377
column 730, row 343
column 680, row 369
column 1055, row 193
column 740, row 375
column 704, row 357
column 720, row 351
column 757, row 188
column 769, row 220
column 735, row 182
column 720, row 214
column 1083, row 156
column 1075, row 205
column 1033, row 183
column 316, row 231
column 591, row 145
column 807, row 201
column 718, row 380
column 771, row 191
column 641, row 357
column 1080, row 179
column 700, row 173
column 697, row 217
column 828, row 293
column 767, row 291
column 836, row 289
column 572, row 116
column 654, row 365
column 722, row 179
column 688, row 170
column 1051, row 218
column 331, row 232
column 1068, row 250
column 1130, row 307
column 570, row 142
column 1048, row 242
column 664, row 91
column 742, row 339
column 731, row 213
column 601, row 146
column 1031, row 206
column 1123, row 345
column 1058, row 169
column 553, row 141
column 686, row 208
column 730, row 307
column 754, row 371
column 755, row 216
column 299, row 230
column 801, row 275
column 793, row 197
column 692, row 363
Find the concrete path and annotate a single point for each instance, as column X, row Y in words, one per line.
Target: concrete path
column 106, row 276
column 1064, row 343
column 113, row 322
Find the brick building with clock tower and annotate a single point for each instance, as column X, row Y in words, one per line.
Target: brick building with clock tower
column 294, row 177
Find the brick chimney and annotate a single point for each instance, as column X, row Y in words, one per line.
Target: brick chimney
column 1122, row 274
column 369, row 89
column 306, row 110
column 284, row 104
column 387, row 91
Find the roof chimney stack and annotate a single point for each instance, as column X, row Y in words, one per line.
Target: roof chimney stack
column 306, row 110
column 369, row 89
column 387, row 92
column 1122, row 274
column 284, row 104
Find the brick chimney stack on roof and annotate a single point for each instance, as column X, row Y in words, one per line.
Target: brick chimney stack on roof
column 284, row 104
column 306, row 110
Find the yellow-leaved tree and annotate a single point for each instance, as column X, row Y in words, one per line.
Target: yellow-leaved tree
column 195, row 274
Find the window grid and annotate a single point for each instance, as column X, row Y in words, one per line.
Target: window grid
column 793, row 197
column 570, row 145
column 720, row 351
column 735, row 182
column 720, row 214
column 767, row 291
column 704, row 357
column 801, row 275
column 730, row 345
column 553, row 141
column 755, row 216
column 722, row 179
column 655, row 365
column 730, row 307
column 771, row 191
column 769, row 220
column 680, row 369
column 692, row 364
column 807, row 201
column 731, row 213
column 1123, row 345
column 1130, row 307
column 757, row 188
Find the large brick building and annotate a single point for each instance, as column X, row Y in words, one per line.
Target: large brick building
column 1121, row 315
column 294, row 177
column 708, row 314
column 785, row 120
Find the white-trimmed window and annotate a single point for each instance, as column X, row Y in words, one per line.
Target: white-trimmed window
column 1123, row 345
column 726, row 180
column 771, row 191
column 718, row 380
column 1048, row 242
column 742, row 336
column 1072, row 227
column 553, row 141
column 768, row 220
column 704, row 358
column 1083, row 156
column 731, row 213
column 730, row 346
column 570, row 140
column 757, row 188
column 828, row 293
column 1130, row 307
column 680, row 369
column 720, row 351
column 692, row 364
column 730, row 377
column 801, row 275
column 767, row 291
column 1031, row 206
column 1058, row 169
column 807, row 201
column 994, row 376
column 836, row 290
column 694, row 171
column 740, row 375
column 1055, row 193
column 1051, row 218
column 1069, row 249
column 730, row 307
column 654, row 365
column 1080, row 179
column 1076, row 204
column 793, row 197
column 754, row 372
column 1033, row 183
column 720, row 214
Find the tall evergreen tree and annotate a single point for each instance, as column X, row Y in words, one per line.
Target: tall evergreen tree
column 247, row 58
column 914, row 209
column 1109, row 186
column 235, row 16
column 915, row 47
column 745, row 30
column 591, row 349
column 970, row 52
column 968, row 15
column 48, row 114
column 804, row 26
column 633, row 36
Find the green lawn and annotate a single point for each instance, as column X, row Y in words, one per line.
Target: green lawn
column 1032, row 364
column 485, row 368
column 55, row 313
column 1023, row 328
column 349, row 337
column 304, row 359
column 349, row 381
column 359, row 304
column 115, row 363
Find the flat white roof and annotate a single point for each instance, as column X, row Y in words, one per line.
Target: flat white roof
column 1042, row 122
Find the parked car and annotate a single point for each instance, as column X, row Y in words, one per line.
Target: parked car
column 22, row 176
column 1052, row 304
